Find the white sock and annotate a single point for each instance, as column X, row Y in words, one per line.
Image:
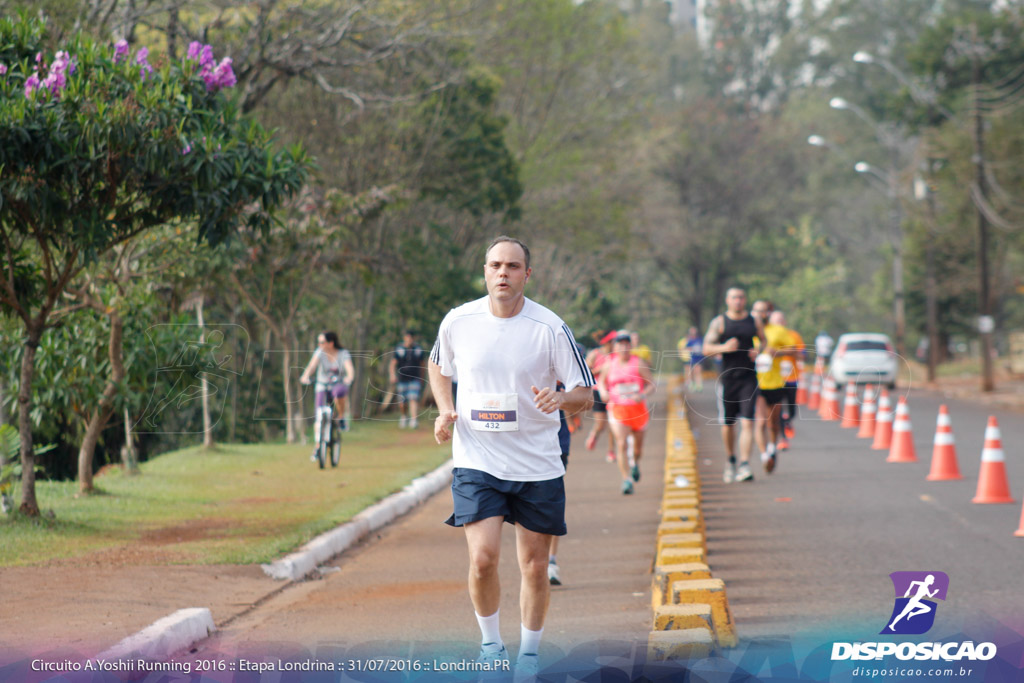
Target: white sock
column 489, row 631
column 530, row 641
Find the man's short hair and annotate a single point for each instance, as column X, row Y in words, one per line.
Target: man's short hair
column 505, row 238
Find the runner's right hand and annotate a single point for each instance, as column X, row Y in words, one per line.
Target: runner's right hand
column 442, row 433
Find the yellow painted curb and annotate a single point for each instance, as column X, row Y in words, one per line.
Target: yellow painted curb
column 689, row 643
column 712, row 592
column 671, row 556
column 675, row 617
column 676, row 528
column 666, row 575
column 687, row 540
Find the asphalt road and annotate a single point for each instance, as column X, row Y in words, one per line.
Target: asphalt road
column 808, row 549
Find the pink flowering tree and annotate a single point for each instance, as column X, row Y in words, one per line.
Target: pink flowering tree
column 99, row 145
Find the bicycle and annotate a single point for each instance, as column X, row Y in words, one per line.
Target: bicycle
column 326, row 431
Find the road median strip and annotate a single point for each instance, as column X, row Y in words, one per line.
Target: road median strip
column 691, row 609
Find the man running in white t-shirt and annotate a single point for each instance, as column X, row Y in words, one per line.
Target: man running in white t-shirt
column 508, row 353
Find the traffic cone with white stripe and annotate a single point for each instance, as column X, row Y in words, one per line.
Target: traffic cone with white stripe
column 814, row 398
column 1020, row 529
column 902, row 447
column 944, row 466
column 883, row 423
column 830, row 401
column 801, row 387
column 993, row 486
column 851, row 407
column 867, row 414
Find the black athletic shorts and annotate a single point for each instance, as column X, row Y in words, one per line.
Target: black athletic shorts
column 599, row 405
column 774, row 397
column 538, row 505
column 737, row 395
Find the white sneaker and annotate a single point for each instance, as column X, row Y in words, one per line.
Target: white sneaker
column 743, row 473
column 729, row 475
column 402, row 421
column 413, row 423
column 553, row 578
column 493, row 656
column 526, row 669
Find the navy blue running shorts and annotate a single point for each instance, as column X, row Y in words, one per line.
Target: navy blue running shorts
column 537, row 505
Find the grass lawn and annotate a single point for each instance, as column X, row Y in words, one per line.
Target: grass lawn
column 236, row 504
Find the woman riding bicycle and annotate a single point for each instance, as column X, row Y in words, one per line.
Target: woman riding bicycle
column 334, row 373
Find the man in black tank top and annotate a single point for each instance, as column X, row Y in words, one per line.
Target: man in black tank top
column 732, row 336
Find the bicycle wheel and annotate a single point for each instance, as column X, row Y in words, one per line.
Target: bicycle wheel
column 335, row 447
column 325, row 442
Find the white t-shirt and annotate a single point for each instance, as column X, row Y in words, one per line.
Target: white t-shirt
column 499, row 429
column 823, row 344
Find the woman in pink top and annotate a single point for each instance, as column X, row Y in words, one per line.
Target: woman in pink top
column 625, row 383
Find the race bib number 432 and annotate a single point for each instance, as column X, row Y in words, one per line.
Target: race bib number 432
column 494, row 412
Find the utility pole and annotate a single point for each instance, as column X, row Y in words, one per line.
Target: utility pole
column 985, row 322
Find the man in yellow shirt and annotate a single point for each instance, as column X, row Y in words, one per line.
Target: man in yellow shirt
column 771, row 383
column 791, row 366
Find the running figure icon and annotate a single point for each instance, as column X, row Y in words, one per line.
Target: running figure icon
column 915, row 606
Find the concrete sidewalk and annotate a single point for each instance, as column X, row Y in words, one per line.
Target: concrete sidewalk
column 406, row 586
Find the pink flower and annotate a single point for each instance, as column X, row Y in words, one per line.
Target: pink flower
column 187, row 149
column 31, row 83
column 141, row 58
column 120, row 50
column 224, row 75
column 3, row 69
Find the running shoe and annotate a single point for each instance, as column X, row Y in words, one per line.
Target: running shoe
column 768, row 460
column 634, row 472
column 789, row 431
column 402, row 421
column 783, row 445
column 611, row 456
column 526, row 669
column 743, row 473
column 591, row 442
column 343, row 423
column 414, row 423
column 493, row 656
column 729, row 476
column 627, row 487
column 553, row 578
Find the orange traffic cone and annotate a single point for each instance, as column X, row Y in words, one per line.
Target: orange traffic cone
column 851, row 407
column 993, row 486
column 829, row 410
column 883, row 423
column 814, row 399
column 944, row 465
column 867, row 414
column 801, row 389
column 1020, row 529
column 902, row 447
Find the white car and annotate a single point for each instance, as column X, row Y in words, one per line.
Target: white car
column 864, row 358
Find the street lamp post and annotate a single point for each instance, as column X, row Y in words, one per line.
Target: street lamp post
column 890, row 140
column 899, row 306
column 985, row 322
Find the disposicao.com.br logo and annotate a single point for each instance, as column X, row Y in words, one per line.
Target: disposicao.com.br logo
column 913, row 613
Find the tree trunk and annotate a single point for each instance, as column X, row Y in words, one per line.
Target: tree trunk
column 297, row 420
column 129, row 454
column 101, row 414
column 358, row 393
column 29, row 505
column 286, row 369
column 207, row 421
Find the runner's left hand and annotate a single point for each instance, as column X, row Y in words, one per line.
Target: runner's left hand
column 547, row 400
